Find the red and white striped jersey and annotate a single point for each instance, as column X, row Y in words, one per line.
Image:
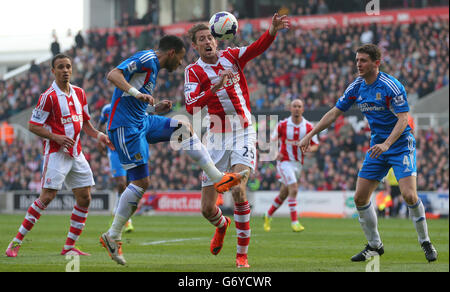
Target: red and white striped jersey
column 63, row 115
column 289, row 134
column 233, row 99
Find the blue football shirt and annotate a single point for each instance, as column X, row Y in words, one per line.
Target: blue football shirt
column 106, row 111
column 379, row 102
column 140, row 70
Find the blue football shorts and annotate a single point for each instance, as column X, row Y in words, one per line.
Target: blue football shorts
column 114, row 164
column 131, row 143
column 401, row 156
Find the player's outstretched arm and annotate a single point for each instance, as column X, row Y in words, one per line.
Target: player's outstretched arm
column 324, row 123
column 262, row 43
column 94, row 133
column 115, row 76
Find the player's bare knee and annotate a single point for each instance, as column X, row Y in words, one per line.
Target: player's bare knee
column 121, row 183
column 283, row 195
column 144, row 183
column 47, row 196
column 82, row 196
column 121, row 186
column 238, row 193
column 293, row 189
column 208, row 211
column 410, row 197
column 361, row 200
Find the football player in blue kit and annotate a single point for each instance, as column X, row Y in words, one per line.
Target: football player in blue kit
column 383, row 101
column 131, row 130
column 118, row 173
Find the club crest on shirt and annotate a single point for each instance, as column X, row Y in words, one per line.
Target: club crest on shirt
column 378, row 96
column 138, row 156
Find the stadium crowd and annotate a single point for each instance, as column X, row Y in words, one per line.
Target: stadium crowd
column 333, row 167
column 314, row 65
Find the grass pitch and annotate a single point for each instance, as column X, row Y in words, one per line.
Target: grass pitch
column 181, row 244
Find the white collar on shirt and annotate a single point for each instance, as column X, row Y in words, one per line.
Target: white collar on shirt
column 60, row 92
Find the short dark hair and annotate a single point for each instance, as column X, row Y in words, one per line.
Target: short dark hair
column 60, row 56
column 196, row 28
column 169, row 42
column 372, row 50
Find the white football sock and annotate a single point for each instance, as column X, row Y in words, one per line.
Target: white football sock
column 417, row 212
column 369, row 223
column 198, row 152
column 127, row 206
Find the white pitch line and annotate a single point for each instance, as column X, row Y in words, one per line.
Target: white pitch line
column 182, row 239
column 172, row 240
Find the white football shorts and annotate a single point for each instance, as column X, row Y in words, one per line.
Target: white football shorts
column 289, row 171
column 229, row 149
column 59, row 168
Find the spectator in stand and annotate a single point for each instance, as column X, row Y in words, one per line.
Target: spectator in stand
column 79, row 40
column 54, row 47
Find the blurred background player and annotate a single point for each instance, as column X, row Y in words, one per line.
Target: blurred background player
column 131, row 130
column 383, row 101
column 118, row 174
column 217, row 80
column 290, row 161
column 60, row 115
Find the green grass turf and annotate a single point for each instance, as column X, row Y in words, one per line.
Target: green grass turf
column 181, row 244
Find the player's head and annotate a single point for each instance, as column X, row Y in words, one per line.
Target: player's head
column 297, row 108
column 203, row 41
column 62, row 67
column 172, row 47
column 368, row 58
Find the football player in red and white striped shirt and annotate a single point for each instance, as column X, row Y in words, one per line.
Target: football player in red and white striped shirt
column 216, row 81
column 290, row 160
column 60, row 115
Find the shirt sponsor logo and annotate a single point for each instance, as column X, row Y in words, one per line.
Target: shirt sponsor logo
column 236, row 78
column 73, row 118
column 149, row 87
column 365, row 107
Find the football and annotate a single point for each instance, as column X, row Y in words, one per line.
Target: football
column 223, row 25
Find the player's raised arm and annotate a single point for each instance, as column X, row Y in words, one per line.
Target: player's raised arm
column 324, row 123
column 278, row 23
column 115, row 76
column 258, row 47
